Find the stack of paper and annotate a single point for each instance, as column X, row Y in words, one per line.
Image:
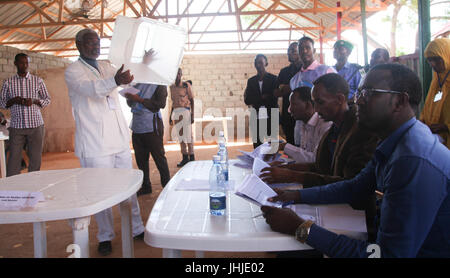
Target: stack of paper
column 256, row 191
column 259, row 165
column 247, row 159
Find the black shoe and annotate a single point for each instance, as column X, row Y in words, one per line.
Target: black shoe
column 184, row 161
column 191, row 157
column 144, row 190
column 139, row 236
column 105, row 248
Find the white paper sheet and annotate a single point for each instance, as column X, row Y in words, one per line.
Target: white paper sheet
column 131, row 90
column 253, row 188
column 258, row 165
column 19, row 200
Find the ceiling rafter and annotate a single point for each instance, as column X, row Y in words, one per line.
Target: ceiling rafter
column 291, row 22
column 209, row 24
column 39, row 10
column 195, row 23
column 272, row 7
column 185, row 10
column 43, row 25
column 254, row 39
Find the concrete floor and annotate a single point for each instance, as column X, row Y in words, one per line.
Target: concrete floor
column 17, row 239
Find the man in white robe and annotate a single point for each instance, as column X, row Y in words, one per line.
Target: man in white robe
column 101, row 136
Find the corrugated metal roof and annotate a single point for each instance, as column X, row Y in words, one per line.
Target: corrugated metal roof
column 19, row 12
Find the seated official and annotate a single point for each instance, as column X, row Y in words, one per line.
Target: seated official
column 343, row 151
column 410, row 167
column 309, row 128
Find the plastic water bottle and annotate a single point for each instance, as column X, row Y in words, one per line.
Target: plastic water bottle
column 223, row 153
column 217, row 192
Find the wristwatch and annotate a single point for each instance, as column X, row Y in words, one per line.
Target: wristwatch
column 302, row 232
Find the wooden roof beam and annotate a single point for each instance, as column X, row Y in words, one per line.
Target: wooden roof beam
column 53, row 24
column 131, row 6
column 209, row 24
column 155, row 7
column 272, row 7
column 43, row 41
column 258, row 30
column 195, row 23
column 244, row 5
column 184, row 12
column 40, row 11
column 273, row 12
column 292, row 22
column 258, row 34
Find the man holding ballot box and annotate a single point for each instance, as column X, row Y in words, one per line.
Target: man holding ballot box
column 101, row 136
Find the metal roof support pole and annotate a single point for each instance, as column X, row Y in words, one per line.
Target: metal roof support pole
column 364, row 31
column 424, row 39
column 339, row 20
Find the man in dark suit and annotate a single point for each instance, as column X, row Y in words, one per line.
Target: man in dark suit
column 259, row 95
column 284, row 90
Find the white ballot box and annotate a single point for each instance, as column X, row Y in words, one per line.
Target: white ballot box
column 134, row 37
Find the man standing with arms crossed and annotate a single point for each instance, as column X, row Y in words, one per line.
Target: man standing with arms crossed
column 25, row 94
column 102, row 136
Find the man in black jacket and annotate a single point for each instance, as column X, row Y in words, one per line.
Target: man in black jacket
column 283, row 90
column 259, row 95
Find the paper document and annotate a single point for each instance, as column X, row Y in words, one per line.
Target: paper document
column 18, row 200
column 307, row 212
column 258, row 165
column 130, row 90
column 256, row 191
column 242, row 164
column 260, row 152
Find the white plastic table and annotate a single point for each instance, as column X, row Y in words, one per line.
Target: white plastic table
column 74, row 194
column 180, row 220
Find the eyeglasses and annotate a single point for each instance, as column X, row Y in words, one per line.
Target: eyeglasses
column 366, row 93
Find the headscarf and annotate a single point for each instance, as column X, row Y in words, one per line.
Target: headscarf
column 439, row 111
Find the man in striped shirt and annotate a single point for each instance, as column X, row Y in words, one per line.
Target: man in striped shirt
column 25, row 94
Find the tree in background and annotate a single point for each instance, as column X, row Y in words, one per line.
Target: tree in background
column 412, row 21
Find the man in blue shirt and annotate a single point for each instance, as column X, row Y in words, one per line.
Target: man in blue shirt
column 410, row 167
column 350, row 72
column 148, row 131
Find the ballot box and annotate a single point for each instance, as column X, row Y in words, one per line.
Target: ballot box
column 150, row 49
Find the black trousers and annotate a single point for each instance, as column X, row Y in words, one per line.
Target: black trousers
column 145, row 144
column 267, row 133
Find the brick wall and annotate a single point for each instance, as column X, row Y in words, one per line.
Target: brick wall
column 58, row 120
column 38, row 61
column 219, row 81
